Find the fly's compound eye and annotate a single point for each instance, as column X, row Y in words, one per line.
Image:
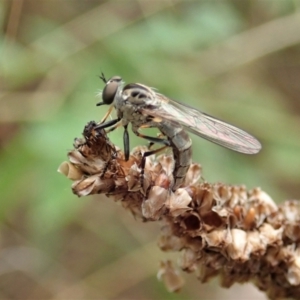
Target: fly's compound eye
column 110, row 90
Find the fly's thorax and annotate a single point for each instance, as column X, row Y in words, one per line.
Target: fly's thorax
column 135, row 118
column 130, row 101
column 138, row 94
column 128, row 112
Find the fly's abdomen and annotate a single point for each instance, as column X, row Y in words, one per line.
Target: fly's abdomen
column 182, row 151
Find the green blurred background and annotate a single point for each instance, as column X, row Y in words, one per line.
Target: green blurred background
column 236, row 60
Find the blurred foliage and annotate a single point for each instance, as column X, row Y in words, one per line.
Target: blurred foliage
column 237, row 60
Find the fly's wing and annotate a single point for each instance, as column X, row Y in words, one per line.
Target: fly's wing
column 203, row 125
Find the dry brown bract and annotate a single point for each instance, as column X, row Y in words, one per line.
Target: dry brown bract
column 220, row 230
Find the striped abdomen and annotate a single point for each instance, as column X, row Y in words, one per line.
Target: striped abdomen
column 182, row 150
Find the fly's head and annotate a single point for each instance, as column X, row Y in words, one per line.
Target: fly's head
column 112, row 86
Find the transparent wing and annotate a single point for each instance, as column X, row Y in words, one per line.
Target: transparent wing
column 203, row 125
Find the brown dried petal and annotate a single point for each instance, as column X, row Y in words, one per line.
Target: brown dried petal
column 293, row 275
column 87, row 165
column 193, row 175
column 178, row 202
column 218, row 238
column 170, row 276
column 133, row 178
column 269, row 235
column 292, row 231
column 254, row 244
column 152, row 207
column 92, row 185
column 267, row 204
column 236, row 250
column 191, row 222
column 167, row 163
column 162, row 180
column 168, row 241
column 70, row 171
column 188, row 260
column 204, row 198
column 291, row 210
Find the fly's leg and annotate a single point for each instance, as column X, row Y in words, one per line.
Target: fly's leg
column 117, row 125
column 153, row 140
column 106, row 124
column 148, row 153
column 143, row 162
column 160, row 136
column 107, row 114
column 126, row 143
column 102, row 77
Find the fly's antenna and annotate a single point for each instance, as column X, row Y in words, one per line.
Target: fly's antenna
column 102, row 77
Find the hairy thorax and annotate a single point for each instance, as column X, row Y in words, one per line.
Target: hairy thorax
column 129, row 105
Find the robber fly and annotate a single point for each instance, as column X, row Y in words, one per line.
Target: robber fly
column 143, row 107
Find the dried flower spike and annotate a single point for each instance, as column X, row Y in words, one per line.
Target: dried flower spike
column 219, row 230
